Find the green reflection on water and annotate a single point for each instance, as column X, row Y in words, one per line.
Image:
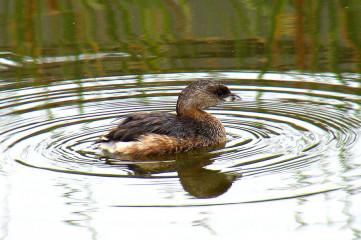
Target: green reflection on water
column 175, row 36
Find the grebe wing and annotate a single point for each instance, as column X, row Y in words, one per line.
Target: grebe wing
column 138, row 124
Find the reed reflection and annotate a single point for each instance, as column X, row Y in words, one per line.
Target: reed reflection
column 179, row 36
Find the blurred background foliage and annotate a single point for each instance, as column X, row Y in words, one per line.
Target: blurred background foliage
column 53, row 39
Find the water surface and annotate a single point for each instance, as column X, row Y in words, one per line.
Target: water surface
column 291, row 165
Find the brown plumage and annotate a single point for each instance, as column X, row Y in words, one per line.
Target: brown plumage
column 160, row 133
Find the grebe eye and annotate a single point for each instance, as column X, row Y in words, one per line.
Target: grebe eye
column 222, row 92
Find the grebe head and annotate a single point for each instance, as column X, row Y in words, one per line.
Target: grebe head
column 202, row 94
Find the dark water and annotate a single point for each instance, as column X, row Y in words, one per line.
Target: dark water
column 291, row 166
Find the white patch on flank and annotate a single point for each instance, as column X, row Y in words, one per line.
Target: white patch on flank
column 113, row 147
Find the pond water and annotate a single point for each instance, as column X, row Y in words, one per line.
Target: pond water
column 291, row 165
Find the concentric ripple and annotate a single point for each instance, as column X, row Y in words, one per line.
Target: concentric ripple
column 279, row 128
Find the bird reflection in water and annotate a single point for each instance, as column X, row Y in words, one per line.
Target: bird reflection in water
column 195, row 178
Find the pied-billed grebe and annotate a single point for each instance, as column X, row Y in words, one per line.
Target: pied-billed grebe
column 144, row 134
